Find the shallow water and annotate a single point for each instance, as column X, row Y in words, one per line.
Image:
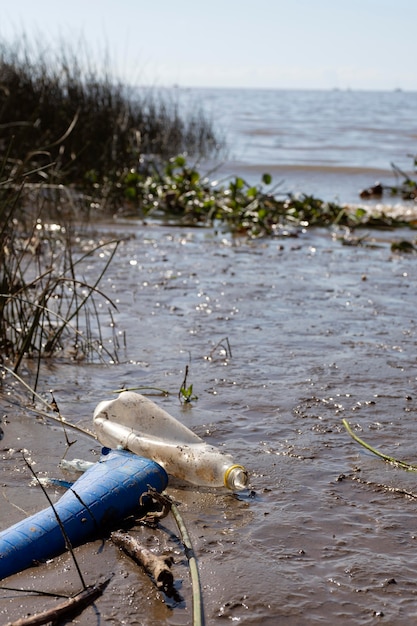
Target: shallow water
column 318, row 331
column 331, row 144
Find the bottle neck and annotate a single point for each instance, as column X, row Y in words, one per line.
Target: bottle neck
column 236, row 478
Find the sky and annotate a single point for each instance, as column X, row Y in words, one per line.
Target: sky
column 268, row 44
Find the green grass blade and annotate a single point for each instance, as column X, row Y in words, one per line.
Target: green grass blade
column 385, row 457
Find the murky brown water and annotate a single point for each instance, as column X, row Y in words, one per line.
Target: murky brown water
column 318, row 331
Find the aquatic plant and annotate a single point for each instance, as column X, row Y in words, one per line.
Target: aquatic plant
column 178, row 193
column 93, row 128
column 46, row 306
column 103, row 147
column 185, row 394
column 406, row 187
column 382, row 455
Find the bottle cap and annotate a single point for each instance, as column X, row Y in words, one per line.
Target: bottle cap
column 236, row 477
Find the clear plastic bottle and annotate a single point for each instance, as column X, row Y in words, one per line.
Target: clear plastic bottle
column 134, row 422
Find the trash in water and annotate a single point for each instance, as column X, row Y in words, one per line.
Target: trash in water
column 100, row 499
column 133, row 422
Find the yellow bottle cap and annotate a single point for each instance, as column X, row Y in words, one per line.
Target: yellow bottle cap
column 230, row 470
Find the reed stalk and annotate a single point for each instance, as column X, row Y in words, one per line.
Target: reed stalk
column 385, row 457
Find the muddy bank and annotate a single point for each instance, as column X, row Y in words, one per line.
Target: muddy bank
column 318, row 331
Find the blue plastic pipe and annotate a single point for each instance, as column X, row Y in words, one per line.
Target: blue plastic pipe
column 101, row 498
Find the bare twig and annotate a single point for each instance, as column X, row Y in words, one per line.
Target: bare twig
column 72, row 606
column 58, row 519
column 60, row 419
column 226, row 347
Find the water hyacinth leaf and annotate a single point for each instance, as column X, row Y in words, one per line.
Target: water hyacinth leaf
column 131, row 193
column 403, row 246
column 252, row 192
column 238, row 183
column 178, row 161
column 360, row 213
column 194, row 177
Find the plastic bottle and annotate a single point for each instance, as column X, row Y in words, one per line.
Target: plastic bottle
column 100, row 499
column 135, row 423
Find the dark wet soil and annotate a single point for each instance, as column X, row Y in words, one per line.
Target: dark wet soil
column 316, row 331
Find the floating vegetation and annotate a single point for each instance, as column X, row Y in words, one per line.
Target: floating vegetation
column 406, row 187
column 179, row 194
column 76, row 143
column 185, row 393
column 403, row 246
column 75, row 138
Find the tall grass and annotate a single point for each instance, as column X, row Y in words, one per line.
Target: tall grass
column 70, row 136
column 56, row 107
column 46, row 306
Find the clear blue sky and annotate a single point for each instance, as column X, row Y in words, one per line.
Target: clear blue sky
column 358, row 44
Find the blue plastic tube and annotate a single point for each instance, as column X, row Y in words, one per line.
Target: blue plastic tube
column 101, row 498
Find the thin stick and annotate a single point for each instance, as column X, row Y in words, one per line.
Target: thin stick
column 160, row 391
column 198, row 610
column 388, row 459
column 34, row 591
column 58, row 519
column 220, row 344
column 71, row 606
column 60, row 420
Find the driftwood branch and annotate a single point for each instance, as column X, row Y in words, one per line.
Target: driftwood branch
column 72, row 606
column 159, row 567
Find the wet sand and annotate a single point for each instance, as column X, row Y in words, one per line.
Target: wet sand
column 318, row 331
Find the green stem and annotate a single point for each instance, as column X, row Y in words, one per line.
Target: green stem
column 389, row 459
column 198, row 612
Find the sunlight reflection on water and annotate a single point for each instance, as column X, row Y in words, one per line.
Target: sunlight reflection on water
column 312, row 544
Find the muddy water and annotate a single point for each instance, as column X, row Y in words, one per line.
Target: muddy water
column 317, row 331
